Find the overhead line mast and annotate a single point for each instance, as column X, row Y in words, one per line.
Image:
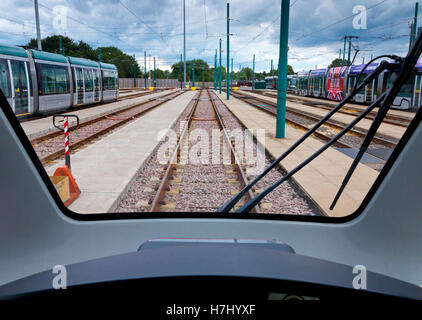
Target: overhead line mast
column 228, row 53
column 37, row 21
column 184, row 44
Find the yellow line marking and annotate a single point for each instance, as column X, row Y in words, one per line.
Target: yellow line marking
column 23, row 114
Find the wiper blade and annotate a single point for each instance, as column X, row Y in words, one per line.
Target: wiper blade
column 252, row 203
column 405, row 67
column 403, row 74
column 233, row 201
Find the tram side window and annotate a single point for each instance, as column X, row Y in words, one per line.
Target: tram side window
column 109, row 80
column 4, row 78
column 96, row 79
column 79, row 83
column 88, row 80
column 61, row 80
column 53, row 79
column 406, row 89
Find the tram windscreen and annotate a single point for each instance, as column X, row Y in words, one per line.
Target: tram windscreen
column 164, row 135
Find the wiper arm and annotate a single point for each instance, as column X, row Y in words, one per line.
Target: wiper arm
column 253, row 202
column 405, row 68
column 403, row 74
column 233, row 201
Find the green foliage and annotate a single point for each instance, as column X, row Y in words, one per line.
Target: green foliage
column 246, row 74
column 338, row 63
column 290, row 70
column 200, row 67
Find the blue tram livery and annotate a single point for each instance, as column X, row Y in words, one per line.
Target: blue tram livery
column 329, row 84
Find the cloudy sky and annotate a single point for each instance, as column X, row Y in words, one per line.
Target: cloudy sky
column 317, row 27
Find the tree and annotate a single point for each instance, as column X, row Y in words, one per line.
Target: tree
column 121, row 60
column 200, row 67
column 338, row 63
column 290, row 70
column 246, row 74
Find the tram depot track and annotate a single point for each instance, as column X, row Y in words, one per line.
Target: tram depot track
column 207, row 102
column 51, row 147
column 349, row 110
column 292, row 115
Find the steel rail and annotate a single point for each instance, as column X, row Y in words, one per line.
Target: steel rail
column 174, row 158
column 271, row 109
column 75, row 145
column 390, row 118
column 55, row 134
column 169, row 171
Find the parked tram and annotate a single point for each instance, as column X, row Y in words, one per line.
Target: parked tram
column 38, row 82
column 337, row 82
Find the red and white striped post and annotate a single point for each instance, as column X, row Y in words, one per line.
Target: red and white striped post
column 66, row 129
column 66, row 142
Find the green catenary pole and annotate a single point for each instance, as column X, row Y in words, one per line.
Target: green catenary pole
column 282, row 70
column 240, row 71
column 253, row 73
column 271, row 67
column 349, row 51
column 134, row 72
column 193, row 75
column 145, row 67
column 228, row 55
column 203, row 77
column 415, row 22
column 155, row 74
column 181, row 72
column 219, row 70
column 215, row 70
column 231, row 76
column 344, row 52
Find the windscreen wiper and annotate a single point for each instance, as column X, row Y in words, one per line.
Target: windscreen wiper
column 402, row 68
column 402, row 74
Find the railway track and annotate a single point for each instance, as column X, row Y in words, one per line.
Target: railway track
column 216, row 182
column 171, row 181
column 305, row 121
column 127, row 97
column 137, row 95
column 396, row 120
column 51, row 146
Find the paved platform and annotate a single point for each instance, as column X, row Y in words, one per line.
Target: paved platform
column 386, row 129
column 39, row 127
column 104, row 169
column 322, row 177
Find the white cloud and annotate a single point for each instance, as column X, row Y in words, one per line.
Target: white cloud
column 106, row 23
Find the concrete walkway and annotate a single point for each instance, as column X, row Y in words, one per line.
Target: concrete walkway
column 104, row 169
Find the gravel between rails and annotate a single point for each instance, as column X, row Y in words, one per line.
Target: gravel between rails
column 204, row 187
